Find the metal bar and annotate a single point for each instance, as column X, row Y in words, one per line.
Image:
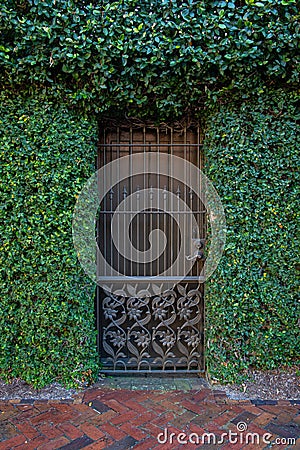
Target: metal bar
column 153, row 371
column 150, row 145
column 98, row 317
column 109, row 159
column 154, row 279
column 124, row 229
column 171, row 188
column 184, row 240
column 144, row 217
column 151, row 227
column 104, row 200
column 98, row 217
column 202, row 324
column 191, row 195
column 158, row 200
column 111, row 195
column 198, row 200
column 130, row 193
column 149, row 211
column 165, row 259
column 178, row 236
column 119, row 196
column 138, row 228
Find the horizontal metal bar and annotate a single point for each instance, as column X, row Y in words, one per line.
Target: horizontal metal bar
column 152, row 212
column 153, row 371
column 149, row 145
column 143, row 279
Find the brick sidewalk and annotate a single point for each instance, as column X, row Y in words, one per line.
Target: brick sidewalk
column 119, row 419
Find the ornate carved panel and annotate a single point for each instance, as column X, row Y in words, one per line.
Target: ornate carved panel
column 162, row 333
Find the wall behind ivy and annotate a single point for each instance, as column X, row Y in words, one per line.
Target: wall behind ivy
column 47, row 329
column 47, row 321
column 252, row 301
column 165, row 61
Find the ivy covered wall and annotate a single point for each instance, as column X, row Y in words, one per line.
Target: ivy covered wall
column 235, row 65
column 252, row 300
column 153, row 58
column 47, row 326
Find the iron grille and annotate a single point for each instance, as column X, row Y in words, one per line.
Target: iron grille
column 163, row 332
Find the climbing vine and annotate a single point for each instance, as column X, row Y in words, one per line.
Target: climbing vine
column 66, row 64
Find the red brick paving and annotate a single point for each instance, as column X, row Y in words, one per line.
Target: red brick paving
column 103, row 418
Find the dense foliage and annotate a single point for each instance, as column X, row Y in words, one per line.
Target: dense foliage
column 253, row 298
column 152, row 57
column 66, row 63
column 46, row 322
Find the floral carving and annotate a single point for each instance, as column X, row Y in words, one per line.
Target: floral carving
column 160, row 313
column 167, row 338
column 134, row 314
column 192, row 338
column 158, row 333
column 117, row 338
column 185, row 313
column 141, row 338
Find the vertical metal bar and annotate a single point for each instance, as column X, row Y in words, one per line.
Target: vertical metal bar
column 191, row 226
column 165, row 259
column 178, row 193
column 130, row 193
column 97, row 298
column 199, row 185
column 111, row 195
column 184, row 237
column 144, row 216
column 198, row 200
column 124, row 230
column 110, row 206
column 203, row 207
column 171, row 188
column 190, row 233
column 105, row 205
column 151, row 228
column 99, row 214
column 202, row 326
column 138, row 228
column 98, row 312
column 157, row 222
column 118, row 196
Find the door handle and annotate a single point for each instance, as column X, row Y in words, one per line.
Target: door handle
column 198, row 254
